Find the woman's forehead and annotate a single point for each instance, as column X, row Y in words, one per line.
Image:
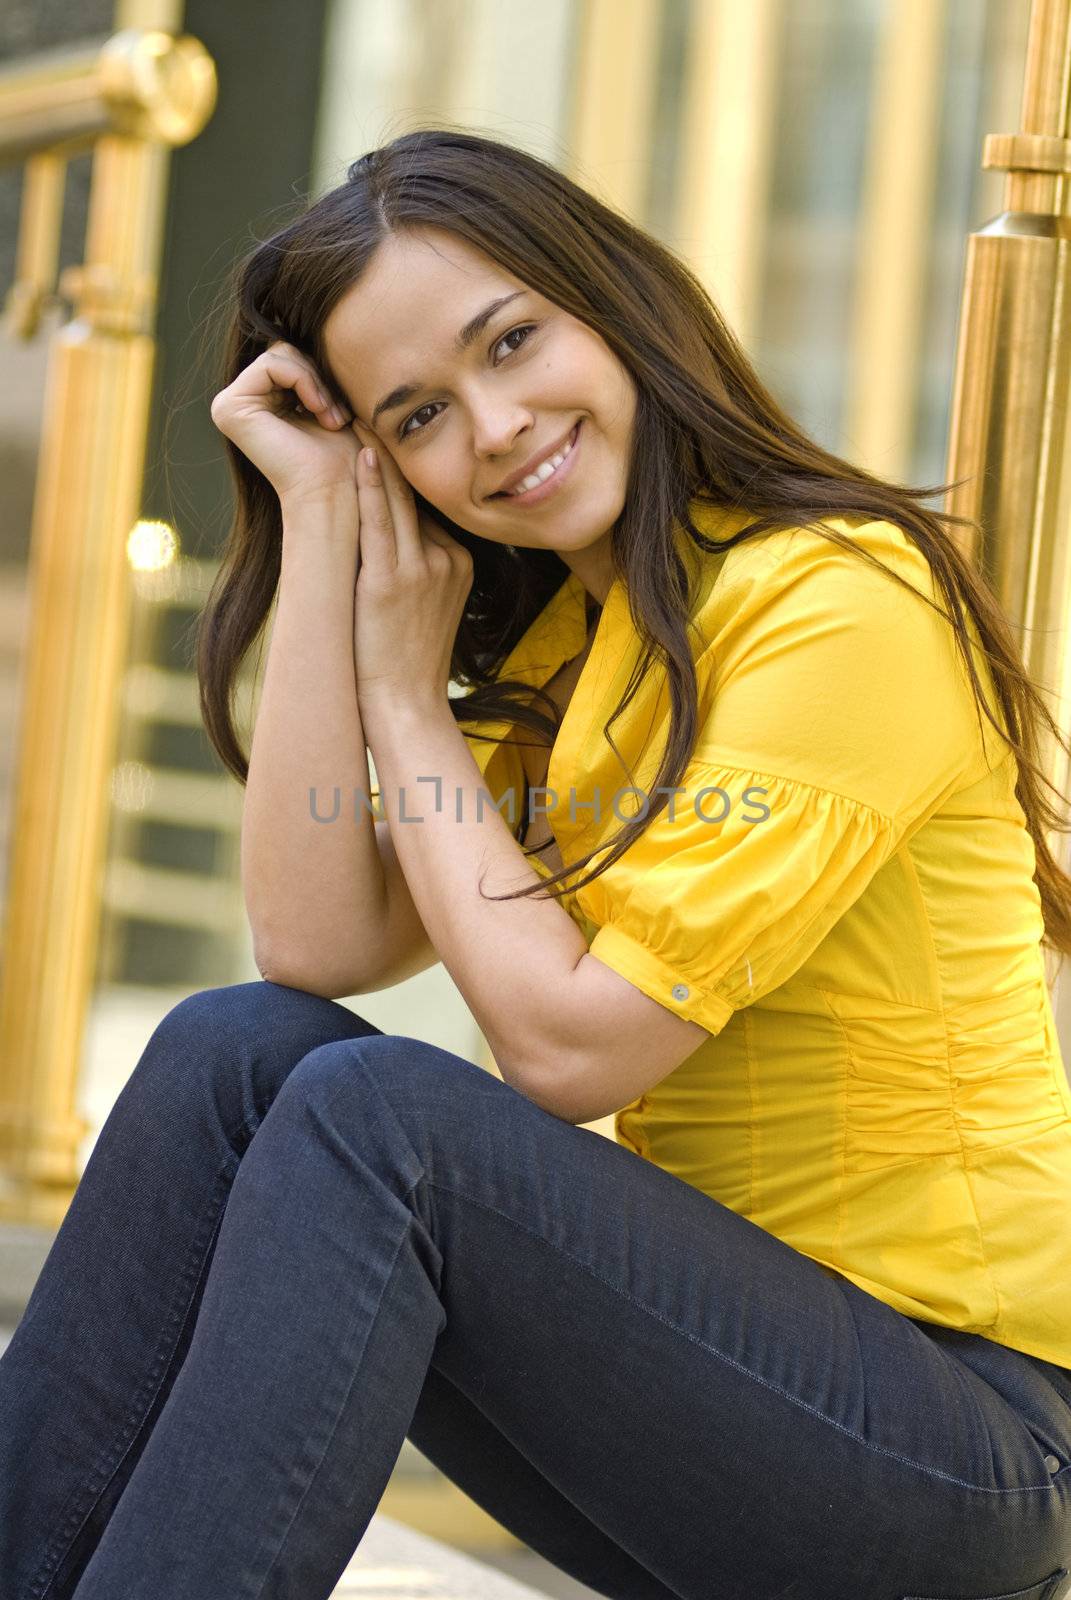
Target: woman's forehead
column 407, row 314
column 420, row 279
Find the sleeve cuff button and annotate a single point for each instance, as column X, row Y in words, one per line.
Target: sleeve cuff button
column 680, row 991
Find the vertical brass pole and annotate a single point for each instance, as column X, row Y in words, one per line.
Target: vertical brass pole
column 87, row 500
column 89, row 485
column 1010, row 412
column 728, row 132
column 894, row 229
column 614, row 99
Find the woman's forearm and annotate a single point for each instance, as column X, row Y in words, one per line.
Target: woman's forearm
column 314, row 889
column 511, row 960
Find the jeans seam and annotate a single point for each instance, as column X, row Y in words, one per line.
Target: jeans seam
column 895, row 1455
column 272, row 1564
column 72, row 1521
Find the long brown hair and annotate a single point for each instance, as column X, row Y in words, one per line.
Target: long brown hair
column 706, row 430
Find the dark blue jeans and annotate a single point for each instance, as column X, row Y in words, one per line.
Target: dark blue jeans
column 299, row 1240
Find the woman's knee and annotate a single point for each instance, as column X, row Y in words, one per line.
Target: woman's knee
column 238, row 1042
column 238, row 1009
column 422, row 1082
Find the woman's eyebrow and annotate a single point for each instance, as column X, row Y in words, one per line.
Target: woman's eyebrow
column 465, row 337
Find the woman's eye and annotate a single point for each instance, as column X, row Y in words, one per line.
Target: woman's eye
column 405, row 432
column 526, row 327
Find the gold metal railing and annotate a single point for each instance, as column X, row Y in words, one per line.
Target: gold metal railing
column 1010, row 411
column 130, row 99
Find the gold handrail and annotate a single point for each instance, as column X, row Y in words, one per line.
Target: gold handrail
column 131, row 98
column 1010, row 410
column 141, row 82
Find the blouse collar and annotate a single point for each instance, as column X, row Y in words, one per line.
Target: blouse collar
column 560, row 630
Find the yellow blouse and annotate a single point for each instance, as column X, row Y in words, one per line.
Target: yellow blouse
column 844, row 900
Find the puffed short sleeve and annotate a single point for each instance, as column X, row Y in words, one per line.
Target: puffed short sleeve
column 837, row 718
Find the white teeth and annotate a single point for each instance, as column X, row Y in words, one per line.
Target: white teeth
column 542, row 472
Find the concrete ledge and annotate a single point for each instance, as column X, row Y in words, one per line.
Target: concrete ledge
column 22, row 1255
column 393, row 1562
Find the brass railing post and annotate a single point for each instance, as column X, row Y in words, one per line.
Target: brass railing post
column 131, row 99
column 1010, row 408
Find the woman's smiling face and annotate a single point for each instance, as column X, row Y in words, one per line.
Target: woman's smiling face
column 459, row 423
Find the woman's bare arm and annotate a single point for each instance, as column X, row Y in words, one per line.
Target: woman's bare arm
column 323, row 914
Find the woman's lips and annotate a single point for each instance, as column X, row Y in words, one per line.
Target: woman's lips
column 544, row 490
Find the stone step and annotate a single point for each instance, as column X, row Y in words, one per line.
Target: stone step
column 393, row 1562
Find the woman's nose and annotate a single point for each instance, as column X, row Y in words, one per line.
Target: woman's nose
column 499, row 434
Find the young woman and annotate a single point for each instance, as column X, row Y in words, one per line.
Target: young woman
column 804, row 1327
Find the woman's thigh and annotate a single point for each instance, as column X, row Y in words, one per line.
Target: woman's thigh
column 467, row 1448
column 736, row 1419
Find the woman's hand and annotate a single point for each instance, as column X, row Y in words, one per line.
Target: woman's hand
column 280, row 415
column 412, row 583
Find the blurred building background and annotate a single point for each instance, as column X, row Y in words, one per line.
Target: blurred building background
column 816, row 162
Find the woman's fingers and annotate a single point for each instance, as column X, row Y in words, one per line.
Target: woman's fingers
column 338, row 412
column 296, row 375
column 280, row 413
column 281, row 368
column 386, row 501
column 380, row 546
column 387, row 505
column 391, row 502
